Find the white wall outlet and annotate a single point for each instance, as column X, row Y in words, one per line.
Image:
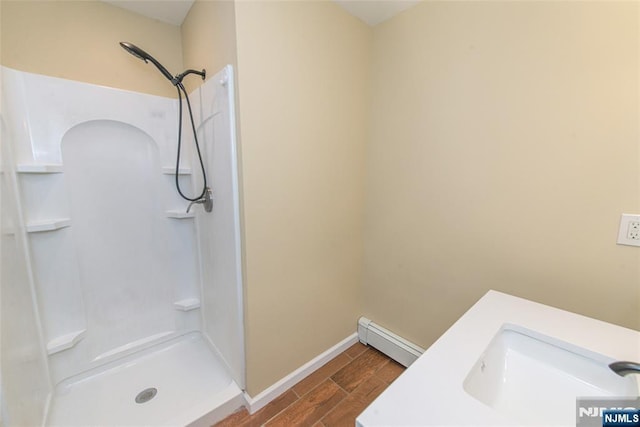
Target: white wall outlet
column 629, row 232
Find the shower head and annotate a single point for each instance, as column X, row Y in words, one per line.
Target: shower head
column 135, row 50
column 141, row 54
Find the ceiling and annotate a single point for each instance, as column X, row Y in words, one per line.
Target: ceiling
column 374, row 12
column 173, row 12
column 170, row 11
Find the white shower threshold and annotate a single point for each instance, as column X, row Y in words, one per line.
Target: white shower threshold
column 193, row 388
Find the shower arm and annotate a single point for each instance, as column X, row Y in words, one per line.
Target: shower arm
column 178, row 78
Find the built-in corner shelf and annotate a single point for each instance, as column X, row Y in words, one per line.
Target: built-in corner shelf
column 187, row 304
column 48, row 225
column 180, row 214
column 65, row 342
column 39, row 168
column 172, row 171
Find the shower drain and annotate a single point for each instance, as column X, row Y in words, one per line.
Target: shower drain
column 146, row 395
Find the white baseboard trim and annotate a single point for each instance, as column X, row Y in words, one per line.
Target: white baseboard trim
column 263, row 398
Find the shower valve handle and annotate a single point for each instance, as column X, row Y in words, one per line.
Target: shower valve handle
column 206, row 201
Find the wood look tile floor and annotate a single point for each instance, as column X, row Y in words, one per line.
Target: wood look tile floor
column 331, row 396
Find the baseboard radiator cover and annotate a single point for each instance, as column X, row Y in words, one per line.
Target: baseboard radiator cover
column 394, row 346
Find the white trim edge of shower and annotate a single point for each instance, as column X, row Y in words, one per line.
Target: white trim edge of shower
column 254, row 404
column 231, row 398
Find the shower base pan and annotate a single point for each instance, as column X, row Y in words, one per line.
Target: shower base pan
column 177, row 383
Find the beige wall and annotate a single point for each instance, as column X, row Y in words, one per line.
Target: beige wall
column 208, row 38
column 504, row 147
column 78, row 40
column 303, row 70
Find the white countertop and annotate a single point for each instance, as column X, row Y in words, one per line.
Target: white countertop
column 430, row 392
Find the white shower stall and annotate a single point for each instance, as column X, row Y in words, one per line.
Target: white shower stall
column 117, row 306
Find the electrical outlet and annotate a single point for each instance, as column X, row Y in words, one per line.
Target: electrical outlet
column 634, row 230
column 629, row 231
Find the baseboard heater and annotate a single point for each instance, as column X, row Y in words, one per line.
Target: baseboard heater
column 394, row 346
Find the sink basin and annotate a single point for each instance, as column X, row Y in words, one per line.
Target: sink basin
column 526, row 375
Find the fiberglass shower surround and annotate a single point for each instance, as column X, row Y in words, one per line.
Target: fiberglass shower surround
column 129, row 292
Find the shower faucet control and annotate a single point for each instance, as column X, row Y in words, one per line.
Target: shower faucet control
column 206, row 201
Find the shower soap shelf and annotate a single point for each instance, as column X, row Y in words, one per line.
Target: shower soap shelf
column 180, row 214
column 39, row 168
column 65, row 342
column 187, row 304
column 172, row 170
column 48, row 225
